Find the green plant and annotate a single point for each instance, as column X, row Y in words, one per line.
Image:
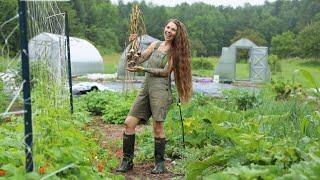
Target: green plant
column 284, row 45
column 116, row 112
column 306, row 74
column 308, row 43
column 309, row 169
column 59, row 140
column 275, row 65
column 96, row 102
column 113, row 107
column 246, row 100
column 264, row 141
column 145, row 139
column 285, row 90
column 240, row 99
column 202, row 63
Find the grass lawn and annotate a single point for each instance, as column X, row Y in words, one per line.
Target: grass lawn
column 288, row 66
column 202, row 73
column 111, row 63
column 242, row 71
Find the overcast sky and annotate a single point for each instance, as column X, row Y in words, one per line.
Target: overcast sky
column 233, row 3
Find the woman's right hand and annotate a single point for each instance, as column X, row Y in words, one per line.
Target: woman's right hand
column 135, row 69
column 133, row 37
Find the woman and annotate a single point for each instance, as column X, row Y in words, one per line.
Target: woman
column 155, row 97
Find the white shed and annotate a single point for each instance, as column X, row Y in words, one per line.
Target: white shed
column 85, row 58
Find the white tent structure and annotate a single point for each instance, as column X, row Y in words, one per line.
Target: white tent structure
column 258, row 62
column 85, row 58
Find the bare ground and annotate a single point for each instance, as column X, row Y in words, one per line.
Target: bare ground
column 112, row 133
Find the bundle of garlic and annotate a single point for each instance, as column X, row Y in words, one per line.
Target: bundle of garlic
column 137, row 27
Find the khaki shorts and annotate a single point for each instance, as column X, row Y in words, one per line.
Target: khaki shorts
column 153, row 100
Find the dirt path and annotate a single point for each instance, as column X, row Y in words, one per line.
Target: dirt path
column 113, row 133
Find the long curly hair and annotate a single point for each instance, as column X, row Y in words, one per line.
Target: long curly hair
column 180, row 54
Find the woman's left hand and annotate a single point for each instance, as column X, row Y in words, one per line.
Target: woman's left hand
column 135, row 69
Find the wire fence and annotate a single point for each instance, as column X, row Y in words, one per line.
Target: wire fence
column 47, row 53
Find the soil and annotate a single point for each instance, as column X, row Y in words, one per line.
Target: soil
column 142, row 170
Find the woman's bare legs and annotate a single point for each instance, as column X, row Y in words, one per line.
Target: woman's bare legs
column 130, row 125
column 158, row 130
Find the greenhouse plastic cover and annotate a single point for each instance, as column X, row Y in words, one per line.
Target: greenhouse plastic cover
column 258, row 62
column 85, row 58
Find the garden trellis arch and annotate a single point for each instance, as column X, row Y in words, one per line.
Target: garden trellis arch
column 258, row 62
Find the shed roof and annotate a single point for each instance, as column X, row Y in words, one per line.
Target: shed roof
column 243, row 43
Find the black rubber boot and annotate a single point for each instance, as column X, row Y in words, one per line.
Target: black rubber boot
column 128, row 152
column 159, row 148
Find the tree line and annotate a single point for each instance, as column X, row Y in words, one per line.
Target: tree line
column 288, row 27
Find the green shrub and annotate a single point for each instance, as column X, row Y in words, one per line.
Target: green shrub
column 284, row 90
column 202, row 63
column 274, row 63
column 96, row 102
column 309, row 169
column 245, row 100
column 307, row 41
column 240, row 100
column 116, row 112
column 284, row 45
column 112, row 106
column 118, row 106
column 308, row 76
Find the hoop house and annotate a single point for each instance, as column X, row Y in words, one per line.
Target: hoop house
column 85, row 58
column 258, row 62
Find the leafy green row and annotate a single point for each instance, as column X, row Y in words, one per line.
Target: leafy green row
column 268, row 140
column 112, row 106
